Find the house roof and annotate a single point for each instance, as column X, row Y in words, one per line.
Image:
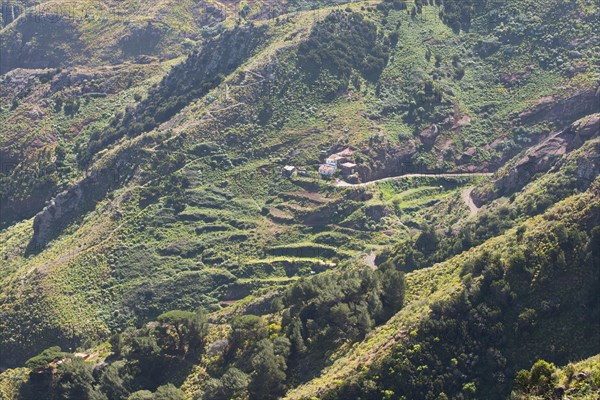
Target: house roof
column 348, row 165
column 346, row 152
column 335, row 157
column 327, row 169
column 289, row 168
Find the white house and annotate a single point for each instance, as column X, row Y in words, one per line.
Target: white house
column 327, row 170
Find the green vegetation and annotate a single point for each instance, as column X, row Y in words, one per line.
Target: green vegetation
column 188, row 81
column 42, row 360
column 142, row 358
column 497, row 320
column 154, row 246
column 343, row 42
column 578, row 381
column 333, row 309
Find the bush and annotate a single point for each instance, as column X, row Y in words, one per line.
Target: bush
column 527, row 319
column 247, row 330
column 42, row 360
column 539, row 381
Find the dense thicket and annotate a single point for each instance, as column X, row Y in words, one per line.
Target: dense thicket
column 503, row 320
column 144, row 360
column 255, row 361
column 334, row 308
column 342, row 42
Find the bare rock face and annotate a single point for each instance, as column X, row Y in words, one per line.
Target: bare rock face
column 582, row 130
column 388, row 160
column 467, row 155
column 563, row 110
column 429, row 135
column 47, row 220
column 68, row 205
column 18, row 80
column 542, row 157
column 514, row 78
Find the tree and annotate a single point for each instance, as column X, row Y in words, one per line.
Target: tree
column 543, row 377
column 538, row 381
column 74, row 380
column 232, row 385
column 246, row 331
column 428, row 240
column 268, row 374
column 393, row 289
column 295, row 335
column 469, row 390
column 183, row 331
column 39, row 383
column 144, row 348
column 41, row 361
column 168, row 392
column 197, row 331
column 141, row 395
column 394, row 37
column 522, row 381
column 113, row 380
column 527, row 319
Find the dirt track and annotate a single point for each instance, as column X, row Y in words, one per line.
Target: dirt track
column 339, row 183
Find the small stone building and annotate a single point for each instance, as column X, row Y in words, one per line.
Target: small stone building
column 289, row 171
column 348, row 168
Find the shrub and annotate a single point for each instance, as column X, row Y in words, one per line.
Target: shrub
column 539, row 381
column 42, row 360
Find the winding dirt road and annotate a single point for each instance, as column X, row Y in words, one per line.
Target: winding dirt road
column 340, row 183
column 466, row 195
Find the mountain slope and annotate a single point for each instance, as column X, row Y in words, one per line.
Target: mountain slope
column 488, row 318
column 143, row 175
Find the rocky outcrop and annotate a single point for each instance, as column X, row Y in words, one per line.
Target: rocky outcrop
column 60, row 207
column 514, row 78
column 387, row 160
column 377, row 212
column 429, row 135
column 562, row 111
column 67, row 206
column 541, row 158
column 467, row 156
